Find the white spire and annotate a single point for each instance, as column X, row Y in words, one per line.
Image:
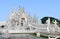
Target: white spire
column 48, row 24
column 48, row 21
column 55, row 22
column 35, row 19
column 14, row 10
column 13, row 14
column 21, row 10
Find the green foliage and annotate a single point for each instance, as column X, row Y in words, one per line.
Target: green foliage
column 43, row 20
column 58, row 38
column 43, row 36
column 34, row 34
column 59, row 23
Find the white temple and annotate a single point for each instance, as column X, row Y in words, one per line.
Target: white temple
column 21, row 22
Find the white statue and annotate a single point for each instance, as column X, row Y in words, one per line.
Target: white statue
column 48, row 21
column 48, row 24
column 55, row 22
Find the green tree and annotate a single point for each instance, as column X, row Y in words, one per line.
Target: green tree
column 43, row 20
column 59, row 23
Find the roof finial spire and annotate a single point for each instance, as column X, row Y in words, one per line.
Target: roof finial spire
column 21, row 10
column 14, row 10
column 35, row 19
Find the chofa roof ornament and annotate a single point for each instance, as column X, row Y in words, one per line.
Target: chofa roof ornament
column 21, row 10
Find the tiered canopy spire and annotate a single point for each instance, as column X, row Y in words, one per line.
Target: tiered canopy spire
column 35, row 19
column 21, row 10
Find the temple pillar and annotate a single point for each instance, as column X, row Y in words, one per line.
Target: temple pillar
column 48, row 25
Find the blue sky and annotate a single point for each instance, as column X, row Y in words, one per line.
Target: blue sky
column 41, row 8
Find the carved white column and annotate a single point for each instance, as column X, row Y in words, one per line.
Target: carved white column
column 55, row 23
column 48, row 24
column 55, row 26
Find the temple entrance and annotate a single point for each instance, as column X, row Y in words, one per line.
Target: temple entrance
column 22, row 21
